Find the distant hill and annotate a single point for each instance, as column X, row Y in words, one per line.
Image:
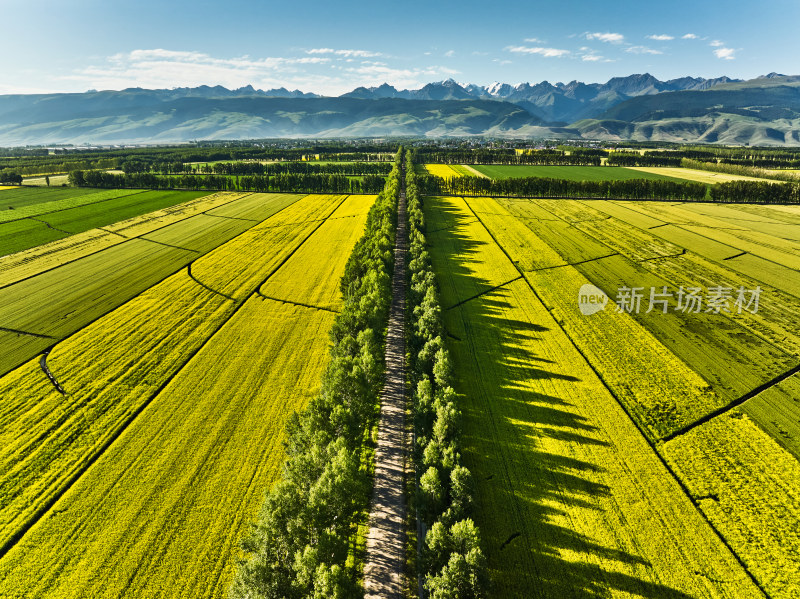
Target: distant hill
column 138, row 116
column 764, row 111
column 560, row 102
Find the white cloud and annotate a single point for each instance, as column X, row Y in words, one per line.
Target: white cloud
column 450, row 53
column 716, row 44
column 546, row 52
column 591, row 58
column 611, row 38
column 330, row 74
column 642, row 50
column 725, row 53
column 534, row 40
column 661, row 38
column 371, row 75
column 689, row 36
column 347, row 53
column 160, row 68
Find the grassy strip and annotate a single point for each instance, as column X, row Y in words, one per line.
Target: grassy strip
column 302, row 544
column 452, row 563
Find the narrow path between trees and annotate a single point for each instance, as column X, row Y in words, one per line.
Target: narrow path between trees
column 385, row 560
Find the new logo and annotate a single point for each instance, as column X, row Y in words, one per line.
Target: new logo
column 591, row 299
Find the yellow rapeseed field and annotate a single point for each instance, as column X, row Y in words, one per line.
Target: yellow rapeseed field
column 749, row 488
column 137, row 346
column 691, row 174
column 189, row 473
column 440, row 170
column 570, row 497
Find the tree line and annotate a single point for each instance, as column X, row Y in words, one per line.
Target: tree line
column 738, row 169
column 508, row 156
column 544, row 187
column 648, row 159
column 301, row 545
column 275, row 168
column 756, row 192
column 451, row 561
column 282, row 183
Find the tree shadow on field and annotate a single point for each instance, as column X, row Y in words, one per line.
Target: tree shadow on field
column 535, row 457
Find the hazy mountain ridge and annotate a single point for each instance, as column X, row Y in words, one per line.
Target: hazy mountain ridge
column 765, row 110
column 558, row 102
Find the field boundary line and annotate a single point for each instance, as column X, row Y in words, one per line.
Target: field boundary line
column 177, row 247
column 206, row 213
column 206, row 287
column 734, row 404
column 647, row 440
column 736, row 256
column 477, row 295
column 48, row 225
column 302, row 305
column 570, row 263
column 81, row 470
column 46, row 369
column 19, row 332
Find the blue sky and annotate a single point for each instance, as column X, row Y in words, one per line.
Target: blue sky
column 333, row 46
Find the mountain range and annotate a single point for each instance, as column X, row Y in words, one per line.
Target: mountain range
column 764, row 111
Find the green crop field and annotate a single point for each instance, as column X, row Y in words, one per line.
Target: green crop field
column 573, row 173
column 180, row 349
column 25, row 197
column 50, row 293
column 57, row 223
